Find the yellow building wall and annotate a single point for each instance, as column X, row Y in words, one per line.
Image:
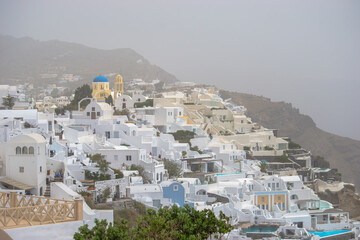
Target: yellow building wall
column 280, row 198
column 262, row 199
column 268, row 200
column 119, row 86
column 100, row 91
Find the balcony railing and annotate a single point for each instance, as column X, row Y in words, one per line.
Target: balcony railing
column 17, row 210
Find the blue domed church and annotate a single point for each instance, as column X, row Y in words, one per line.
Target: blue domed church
column 101, row 89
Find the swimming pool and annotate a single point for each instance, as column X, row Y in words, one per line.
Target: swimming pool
column 325, row 204
column 329, row 233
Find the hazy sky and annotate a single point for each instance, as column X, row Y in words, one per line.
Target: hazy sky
column 303, row 52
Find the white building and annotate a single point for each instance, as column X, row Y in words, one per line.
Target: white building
column 25, row 161
column 119, row 156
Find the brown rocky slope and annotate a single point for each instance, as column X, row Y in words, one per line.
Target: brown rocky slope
column 342, row 153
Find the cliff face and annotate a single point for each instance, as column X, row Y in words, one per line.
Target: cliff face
column 342, row 153
column 341, row 194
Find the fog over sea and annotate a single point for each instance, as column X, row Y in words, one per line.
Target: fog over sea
column 304, row 52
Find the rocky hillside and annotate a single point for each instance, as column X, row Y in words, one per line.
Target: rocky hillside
column 342, row 153
column 340, row 194
column 25, row 59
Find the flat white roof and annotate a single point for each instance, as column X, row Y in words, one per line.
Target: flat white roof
column 24, row 114
column 290, row 178
column 145, row 188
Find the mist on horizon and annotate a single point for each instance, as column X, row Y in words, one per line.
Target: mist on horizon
column 303, row 52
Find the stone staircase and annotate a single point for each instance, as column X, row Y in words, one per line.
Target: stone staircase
column 47, row 191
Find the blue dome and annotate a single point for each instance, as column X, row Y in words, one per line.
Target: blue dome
column 100, row 79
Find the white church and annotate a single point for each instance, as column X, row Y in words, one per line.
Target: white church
column 23, row 165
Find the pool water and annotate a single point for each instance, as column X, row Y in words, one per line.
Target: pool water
column 260, row 229
column 328, row 233
column 325, row 205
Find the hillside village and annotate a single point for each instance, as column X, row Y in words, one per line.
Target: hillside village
column 160, row 145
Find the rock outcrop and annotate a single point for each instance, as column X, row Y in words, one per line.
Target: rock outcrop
column 339, row 194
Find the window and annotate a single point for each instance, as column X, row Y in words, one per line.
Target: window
column 107, row 134
column 176, row 188
column 279, row 198
column 299, row 224
column 40, row 168
column 88, row 114
column 24, row 150
column 128, row 157
column 294, row 197
column 277, row 185
column 50, row 125
column 92, row 109
column 263, row 199
column 179, row 113
column 124, row 100
column 31, row 150
column 138, row 99
column 21, row 169
column 18, row 150
column 269, row 184
column 157, row 176
column 98, row 114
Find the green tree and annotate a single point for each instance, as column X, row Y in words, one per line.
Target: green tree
column 159, row 86
column 55, row 93
column 141, row 171
column 293, row 145
column 147, row 103
column 263, row 167
column 183, row 136
column 80, row 93
column 96, row 176
column 118, row 173
column 107, row 192
column 102, row 230
column 125, row 112
column 196, row 148
column 173, row 168
column 109, row 100
column 101, row 161
column 267, row 148
column 174, row 223
column 9, row 101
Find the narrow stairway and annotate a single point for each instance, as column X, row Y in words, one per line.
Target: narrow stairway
column 47, row 191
